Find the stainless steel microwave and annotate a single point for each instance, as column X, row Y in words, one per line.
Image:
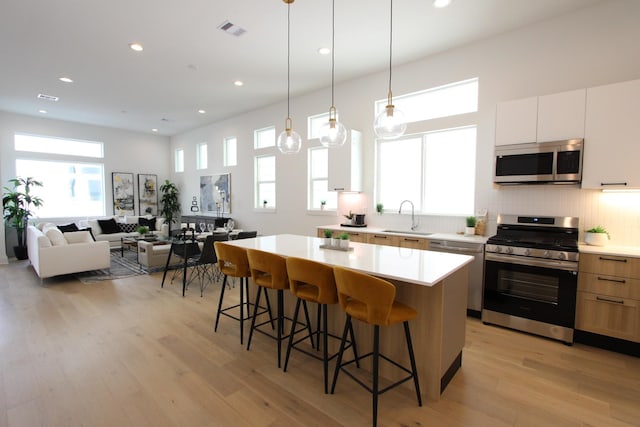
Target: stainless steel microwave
column 556, row 162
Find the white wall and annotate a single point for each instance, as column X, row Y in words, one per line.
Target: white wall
column 124, row 151
column 592, row 47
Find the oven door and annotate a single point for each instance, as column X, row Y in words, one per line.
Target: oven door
column 531, row 288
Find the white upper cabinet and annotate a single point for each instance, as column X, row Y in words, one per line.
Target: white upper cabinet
column 546, row 118
column 612, row 131
column 345, row 164
column 516, row 121
column 561, row 116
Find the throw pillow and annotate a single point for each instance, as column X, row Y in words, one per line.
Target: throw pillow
column 130, row 219
column 127, row 228
column 109, row 226
column 48, row 226
column 77, row 237
column 95, row 227
column 149, row 222
column 56, row 237
column 68, row 227
column 90, row 232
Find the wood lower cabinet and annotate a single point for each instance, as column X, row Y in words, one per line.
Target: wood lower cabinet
column 383, row 239
column 608, row 300
column 413, row 242
column 354, row 236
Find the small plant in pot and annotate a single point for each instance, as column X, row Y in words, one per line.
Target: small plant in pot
column 596, row 236
column 349, row 217
column 470, row 229
column 143, row 230
column 323, row 203
column 344, row 239
column 16, row 208
column 328, row 234
column 379, row 208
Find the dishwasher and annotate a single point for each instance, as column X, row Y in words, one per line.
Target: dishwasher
column 476, row 269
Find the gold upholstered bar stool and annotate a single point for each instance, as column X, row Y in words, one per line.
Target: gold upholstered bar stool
column 312, row 281
column 269, row 271
column 372, row 300
column 233, row 262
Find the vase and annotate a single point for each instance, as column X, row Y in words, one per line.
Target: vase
column 469, row 231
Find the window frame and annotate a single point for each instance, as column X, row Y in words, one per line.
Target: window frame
column 178, row 160
column 257, row 137
column 258, row 196
column 202, row 156
column 332, row 196
column 227, row 153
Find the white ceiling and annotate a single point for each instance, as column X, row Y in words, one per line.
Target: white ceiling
column 189, row 64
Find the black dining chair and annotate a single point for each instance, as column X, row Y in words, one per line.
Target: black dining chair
column 204, row 268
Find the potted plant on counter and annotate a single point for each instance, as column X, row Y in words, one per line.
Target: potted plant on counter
column 596, row 236
column 323, row 203
column 344, row 240
column 470, row 229
column 379, row 208
column 328, row 234
column 16, row 208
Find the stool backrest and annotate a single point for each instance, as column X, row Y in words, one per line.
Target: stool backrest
column 232, row 260
column 364, row 297
column 304, row 273
column 268, row 269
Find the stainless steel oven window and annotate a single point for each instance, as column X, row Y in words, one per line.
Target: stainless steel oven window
column 536, row 287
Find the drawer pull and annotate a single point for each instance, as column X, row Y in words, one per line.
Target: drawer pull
column 406, row 239
column 602, row 258
column 379, row 237
column 615, row 301
column 604, row 279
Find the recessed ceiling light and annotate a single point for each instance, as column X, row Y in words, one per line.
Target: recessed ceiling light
column 324, row 51
column 43, row 111
column 238, row 83
column 136, row 46
column 441, row 3
column 66, row 79
column 202, row 111
column 154, row 130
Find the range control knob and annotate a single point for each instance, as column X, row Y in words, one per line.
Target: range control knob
column 546, row 254
column 509, row 250
column 562, row 255
column 498, row 249
column 527, row 252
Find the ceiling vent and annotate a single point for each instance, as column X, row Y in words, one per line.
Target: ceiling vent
column 47, row 97
column 232, row 29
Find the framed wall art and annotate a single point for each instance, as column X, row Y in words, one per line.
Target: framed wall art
column 147, row 194
column 123, row 191
column 215, row 194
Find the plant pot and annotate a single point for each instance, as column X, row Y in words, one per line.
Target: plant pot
column 335, row 242
column 327, row 241
column 596, row 239
column 20, row 252
column 469, row 231
column 344, row 244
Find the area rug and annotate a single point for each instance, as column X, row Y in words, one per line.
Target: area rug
column 121, row 267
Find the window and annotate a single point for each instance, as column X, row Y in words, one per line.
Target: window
column 72, row 186
column 442, row 101
column 230, row 149
column 319, row 180
column 201, row 156
column 265, row 181
column 314, row 123
column 263, row 138
column 179, row 160
column 435, row 170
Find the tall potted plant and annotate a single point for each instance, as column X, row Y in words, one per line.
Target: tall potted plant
column 16, row 207
column 170, row 203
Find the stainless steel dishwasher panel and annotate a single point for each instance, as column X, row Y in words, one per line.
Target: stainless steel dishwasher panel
column 476, row 269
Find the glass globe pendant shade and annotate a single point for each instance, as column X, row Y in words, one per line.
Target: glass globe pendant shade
column 333, row 134
column 289, row 141
column 390, row 123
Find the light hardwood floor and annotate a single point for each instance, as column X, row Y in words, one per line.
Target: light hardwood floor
column 128, row 353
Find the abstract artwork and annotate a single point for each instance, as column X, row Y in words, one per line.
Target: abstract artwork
column 123, row 201
column 148, row 194
column 215, row 194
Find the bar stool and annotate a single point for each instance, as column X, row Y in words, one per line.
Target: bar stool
column 269, row 271
column 372, row 300
column 233, row 262
column 313, row 282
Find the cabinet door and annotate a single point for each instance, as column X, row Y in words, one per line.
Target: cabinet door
column 606, row 315
column 612, row 128
column 354, row 236
column 610, row 265
column 345, row 164
column 383, row 239
column 561, row 116
column 516, row 121
column 413, row 242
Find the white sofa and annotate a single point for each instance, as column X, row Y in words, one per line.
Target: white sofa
column 115, row 239
column 53, row 253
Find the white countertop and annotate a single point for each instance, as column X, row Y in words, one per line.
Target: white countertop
column 404, row 264
column 632, row 251
column 433, row 236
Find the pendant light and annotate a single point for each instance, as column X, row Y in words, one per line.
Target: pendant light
column 289, row 141
column 390, row 123
column 333, row 133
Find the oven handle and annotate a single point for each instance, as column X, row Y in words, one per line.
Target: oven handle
column 534, row 262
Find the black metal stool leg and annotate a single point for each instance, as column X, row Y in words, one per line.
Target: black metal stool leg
column 224, row 285
column 280, row 325
column 412, row 358
column 325, row 349
column 242, row 298
column 293, row 330
column 376, row 366
column 255, row 314
column 347, row 325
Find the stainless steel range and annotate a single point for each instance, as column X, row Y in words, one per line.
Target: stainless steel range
column 531, row 275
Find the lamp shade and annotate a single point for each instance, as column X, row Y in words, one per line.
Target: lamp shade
column 289, row 142
column 390, row 123
column 333, row 134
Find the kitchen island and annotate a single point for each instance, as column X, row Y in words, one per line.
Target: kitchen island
column 434, row 283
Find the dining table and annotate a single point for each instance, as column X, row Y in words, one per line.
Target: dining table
column 434, row 283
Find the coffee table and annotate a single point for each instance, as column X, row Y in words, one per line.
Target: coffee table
column 131, row 242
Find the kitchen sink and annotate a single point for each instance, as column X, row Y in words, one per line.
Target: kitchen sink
column 415, row 233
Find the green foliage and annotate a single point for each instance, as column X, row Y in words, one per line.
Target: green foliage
column 16, row 205
column 344, row 235
column 471, row 221
column 350, row 215
column 379, row 207
column 143, row 229
column 599, row 229
column 328, row 234
column 170, row 204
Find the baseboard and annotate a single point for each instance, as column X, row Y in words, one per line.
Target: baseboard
column 608, row 343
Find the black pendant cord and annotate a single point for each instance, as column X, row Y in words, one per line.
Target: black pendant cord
column 288, row 59
column 333, row 37
column 390, row 49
